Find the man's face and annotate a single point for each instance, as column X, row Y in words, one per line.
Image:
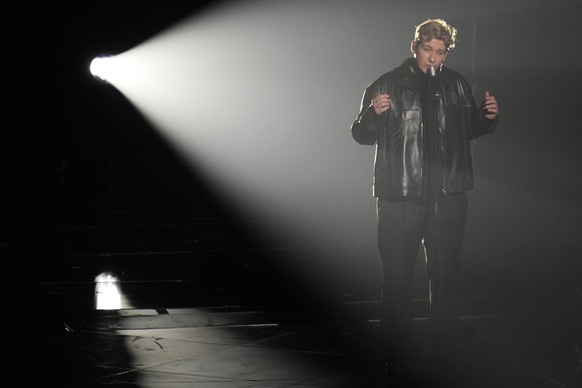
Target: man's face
column 427, row 54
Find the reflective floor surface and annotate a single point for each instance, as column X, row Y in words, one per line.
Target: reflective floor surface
column 197, row 305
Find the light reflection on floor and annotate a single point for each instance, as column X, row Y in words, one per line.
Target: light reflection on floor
column 108, row 295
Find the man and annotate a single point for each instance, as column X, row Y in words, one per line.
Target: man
column 422, row 117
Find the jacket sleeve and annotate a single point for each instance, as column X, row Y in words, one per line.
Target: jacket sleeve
column 365, row 127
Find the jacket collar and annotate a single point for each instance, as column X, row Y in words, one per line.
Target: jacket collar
column 408, row 75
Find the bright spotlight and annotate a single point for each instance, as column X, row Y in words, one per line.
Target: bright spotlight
column 101, row 67
column 120, row 71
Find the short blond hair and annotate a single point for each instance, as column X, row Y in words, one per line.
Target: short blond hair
column 436, row 29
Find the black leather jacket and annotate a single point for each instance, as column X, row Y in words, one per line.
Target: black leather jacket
column 398, row 133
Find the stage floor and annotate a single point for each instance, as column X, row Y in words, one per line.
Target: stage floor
column 198, row 305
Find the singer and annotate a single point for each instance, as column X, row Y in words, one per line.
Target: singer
column 422, row 117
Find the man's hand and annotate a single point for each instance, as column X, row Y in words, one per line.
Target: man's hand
column 381, row 103
column 489, row 106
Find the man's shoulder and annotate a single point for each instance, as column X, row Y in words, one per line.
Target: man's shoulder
column 452, row 75
column 395, row 75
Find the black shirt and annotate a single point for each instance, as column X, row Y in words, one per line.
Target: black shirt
column 431, row 152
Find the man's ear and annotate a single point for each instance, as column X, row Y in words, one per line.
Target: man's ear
column 413, row 47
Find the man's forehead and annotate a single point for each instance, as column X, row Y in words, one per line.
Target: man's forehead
column 434, row 43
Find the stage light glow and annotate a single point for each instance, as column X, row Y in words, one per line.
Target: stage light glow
column 100, row 67
column 247, row 94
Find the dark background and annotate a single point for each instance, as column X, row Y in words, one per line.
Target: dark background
column 75, row 151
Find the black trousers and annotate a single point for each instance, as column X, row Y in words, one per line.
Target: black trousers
column 403, row 228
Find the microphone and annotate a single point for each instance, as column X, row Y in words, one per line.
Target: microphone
column 433, row 80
